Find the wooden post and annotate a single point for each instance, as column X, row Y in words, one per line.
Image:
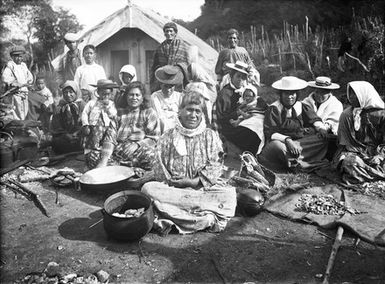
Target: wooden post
column 307, row 28
column 333, row 254
column 280, row 59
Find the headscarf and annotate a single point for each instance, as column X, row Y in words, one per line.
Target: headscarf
column 198, row 87
column 367, row 96
column 70, row 111
column 180, row 132
column 251, row 88
column 74, row 86
column 130, row 69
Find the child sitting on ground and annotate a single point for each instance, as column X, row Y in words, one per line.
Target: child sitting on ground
column 40, row 103
column 96, row 118
column 250, row 104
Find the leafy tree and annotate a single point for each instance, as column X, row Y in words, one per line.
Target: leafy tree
column 36, row 20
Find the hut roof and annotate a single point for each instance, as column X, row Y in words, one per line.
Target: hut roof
column 150, row 22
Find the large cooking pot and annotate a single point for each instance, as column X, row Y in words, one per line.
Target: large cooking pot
column 250, row 202
column 127, row 229
column 107, row 178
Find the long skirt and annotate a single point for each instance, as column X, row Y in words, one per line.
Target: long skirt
column 190, row 210
column 243, row 138
column 275, row 154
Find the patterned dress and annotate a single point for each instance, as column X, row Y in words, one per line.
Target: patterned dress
column 190, row 210
column 168, row 53
column 141, row 127
column 66, row 125
column 361, row 137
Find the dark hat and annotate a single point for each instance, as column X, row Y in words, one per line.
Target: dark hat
column 170, row 25
column 169, row 74
column 105, row 84
column 17, row 50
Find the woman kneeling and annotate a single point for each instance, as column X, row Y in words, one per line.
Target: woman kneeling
column 361, row 135
column 187, row 194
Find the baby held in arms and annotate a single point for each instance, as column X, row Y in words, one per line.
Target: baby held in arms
column 250, row 104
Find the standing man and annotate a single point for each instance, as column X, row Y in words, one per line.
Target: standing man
column 17, row 76
column 170, row 52
column 71, row 60
column 232, row 54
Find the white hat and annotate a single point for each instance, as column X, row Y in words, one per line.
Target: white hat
column 71, row 37
column 251, row 88
column 240, row 66
column 289, row 83
column 323, row 83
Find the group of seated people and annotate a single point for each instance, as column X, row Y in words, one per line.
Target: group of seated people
column 180, row 135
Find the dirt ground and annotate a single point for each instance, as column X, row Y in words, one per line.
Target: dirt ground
column 261, row 249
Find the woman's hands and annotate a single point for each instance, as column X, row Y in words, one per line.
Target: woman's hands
column 181, row 181
column 130, row 149
column 293, row 147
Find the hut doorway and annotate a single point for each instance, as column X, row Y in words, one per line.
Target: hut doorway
column 118, row 59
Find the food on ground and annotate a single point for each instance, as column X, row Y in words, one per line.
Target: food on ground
column 130, row 213
column 323, row 204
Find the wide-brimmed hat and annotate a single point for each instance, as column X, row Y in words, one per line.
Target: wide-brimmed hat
column 105, row 84
column 239, row 66
column 17, row 50
column 71, row 37
column 289, row 83
column 169, row 74
column 323, row 83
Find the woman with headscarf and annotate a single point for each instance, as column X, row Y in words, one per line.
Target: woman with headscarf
column 131, row 141
column 127, row 74
column 293, row 131
column 66, row 120
column 188, row 194
column 361, row 135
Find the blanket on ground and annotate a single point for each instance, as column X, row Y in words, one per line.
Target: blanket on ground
column 369, row 225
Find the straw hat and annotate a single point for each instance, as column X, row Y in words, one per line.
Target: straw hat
column 323, row 83
column 169, row 74
column 239, row 66
column 71, row 37
column 289, row 83
column 105, row 84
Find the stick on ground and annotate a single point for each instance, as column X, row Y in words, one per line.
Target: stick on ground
column 333, row 254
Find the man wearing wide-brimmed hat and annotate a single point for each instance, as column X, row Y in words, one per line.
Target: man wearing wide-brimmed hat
column 170, row 52
column 225, row 109
column 166, row 101
column 71, row 60
column 292, row 130
column 16, row 75
column 326, row 106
